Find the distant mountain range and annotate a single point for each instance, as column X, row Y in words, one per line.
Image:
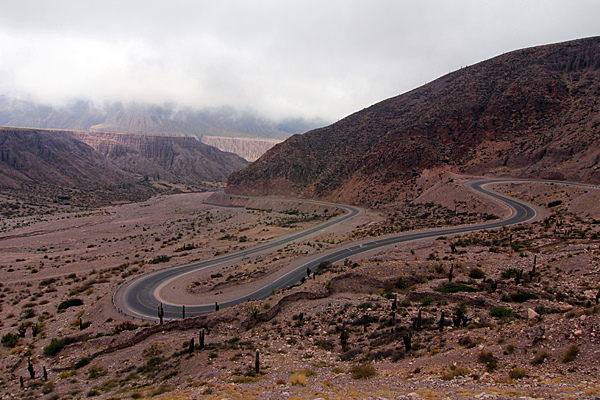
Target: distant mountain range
column 528, row 113
column 98, row 167
column 167, row 120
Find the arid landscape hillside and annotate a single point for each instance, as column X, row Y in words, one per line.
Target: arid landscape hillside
column 91, row 167
column 528, row 113
column 164, row 120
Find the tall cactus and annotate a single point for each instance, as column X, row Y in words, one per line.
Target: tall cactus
column 161, row 313
column 257, row 362
column 201, row 338
column 216, row 306
column 183, row 311
column 451, row 274
column 442, row 322
column 192, row 345
column 30, row 369
column 407, row 345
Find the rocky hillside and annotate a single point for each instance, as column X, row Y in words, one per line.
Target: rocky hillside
column 528, row 113
column 106, row 166
column 175, row 159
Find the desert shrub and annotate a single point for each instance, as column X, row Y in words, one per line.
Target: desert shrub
column 425, row 301
column 159, row 390
column 487, row 358
column 69, row 303
column 55, row 346
column 402, row 283
column 93, row 393
column 363, row 371
column 518, row 373
column 125, row 326
column 453, row 373
column 83, row 361
column 455, row 287
column 160, row 259
column 476, row 273
column 501, row 312
column 570, row 354
column 151, row 365
column 350, row 355
column 326, row 345
column 96, row 371
column 10, row 340
column 522, row 297
column 555, row 203
column 298, row 378
column 48, row 388
column 540, row 357
column 510, row 349
column 509, row 273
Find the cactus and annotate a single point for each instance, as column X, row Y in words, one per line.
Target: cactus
column 183, row 311
column 406, row 339
column 30, row 368
column 533, row 271
column 257, row 362
column 452, row 247
column 192, row 345
column 21, row 381
column 366, row 321
column 344, row 336
column 308, row 272
column 161, row 313
column 519, row 276
column 45, row 373
column 451, row 274
column 442, row 322
column 216, row 306
column 22, row 330
column 395, row 303
column 201, row 338
column 34, row 330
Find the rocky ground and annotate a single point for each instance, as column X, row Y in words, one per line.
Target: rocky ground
column 368, row 328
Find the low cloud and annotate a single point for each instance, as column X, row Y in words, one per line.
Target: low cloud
column 281, row 59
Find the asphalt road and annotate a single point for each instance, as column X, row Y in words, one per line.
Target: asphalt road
column 136, row 298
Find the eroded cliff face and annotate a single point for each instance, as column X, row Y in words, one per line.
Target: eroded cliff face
column 99, row 168
column 249, row 149
column 529, row 113
column 177, row 159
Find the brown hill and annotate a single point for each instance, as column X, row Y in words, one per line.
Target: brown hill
column 528, row 113
column 104, row 167
column 174, row 159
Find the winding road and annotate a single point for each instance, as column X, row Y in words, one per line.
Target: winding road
column 138, row 297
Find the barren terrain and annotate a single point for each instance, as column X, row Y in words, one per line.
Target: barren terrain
column 528, row 295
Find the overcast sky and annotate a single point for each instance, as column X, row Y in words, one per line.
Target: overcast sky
column 313, row 59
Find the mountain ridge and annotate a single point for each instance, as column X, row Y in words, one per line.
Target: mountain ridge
column 101, row 167
column 528, row 113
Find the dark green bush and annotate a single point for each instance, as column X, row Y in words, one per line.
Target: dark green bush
column 501, row 312
column 476, row 273
column 555, row 203
column 455, row 287
column 10, row 340
column 70, row 303
column 55, row 346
